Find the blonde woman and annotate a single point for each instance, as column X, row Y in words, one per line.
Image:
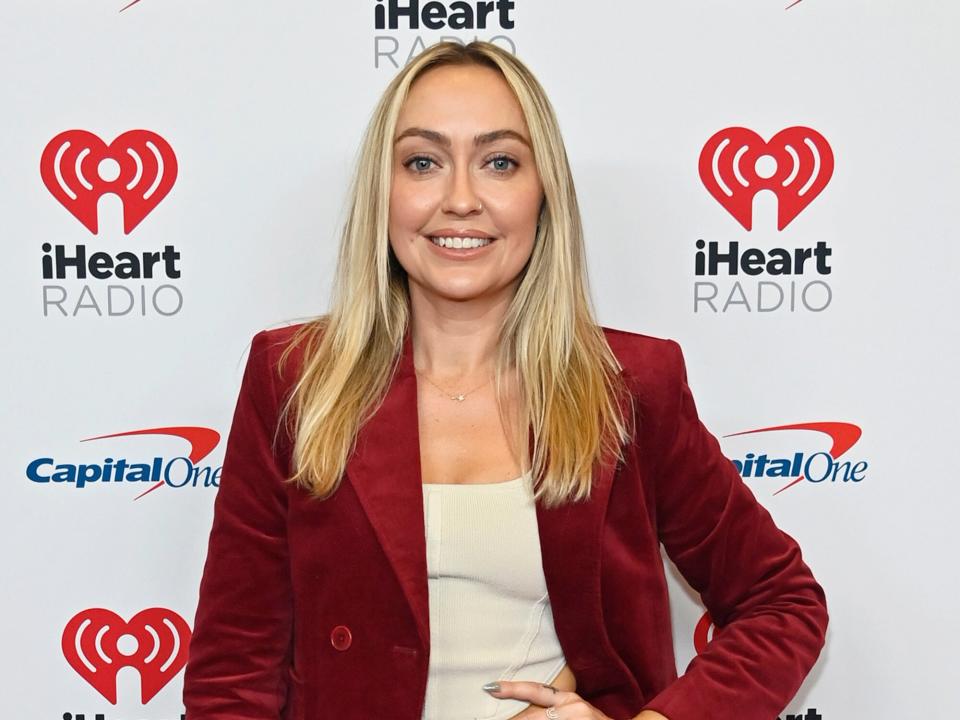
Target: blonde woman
column 445, row 499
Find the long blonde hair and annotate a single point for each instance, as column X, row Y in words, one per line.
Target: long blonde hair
column 569, row 380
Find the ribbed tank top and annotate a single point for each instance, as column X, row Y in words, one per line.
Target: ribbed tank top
column 490, row 616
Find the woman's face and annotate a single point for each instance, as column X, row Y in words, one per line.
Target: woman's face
column 463, row 165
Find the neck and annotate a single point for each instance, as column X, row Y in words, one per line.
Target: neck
column 455, row 339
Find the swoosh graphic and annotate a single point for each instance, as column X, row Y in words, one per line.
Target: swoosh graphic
column 843, row 436
column 202, row 441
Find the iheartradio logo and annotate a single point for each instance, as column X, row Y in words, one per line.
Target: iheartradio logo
column 97, row 643
column 78, row 168
column 734, row 165
column 703, row 633
column 795, row 165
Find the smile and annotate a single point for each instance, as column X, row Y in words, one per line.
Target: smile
column 460, row 243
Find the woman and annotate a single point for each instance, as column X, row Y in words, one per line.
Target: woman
column 456, row 476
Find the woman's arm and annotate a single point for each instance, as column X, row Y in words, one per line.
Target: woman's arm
column 770, row 612
column 241, row 642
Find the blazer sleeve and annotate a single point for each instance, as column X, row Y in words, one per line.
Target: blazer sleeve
column 769, row 611
column 241, row 644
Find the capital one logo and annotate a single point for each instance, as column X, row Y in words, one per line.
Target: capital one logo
column 822, row 467
column 98, row 643
column 78, row 168
column 150, row 474
column 795, row 165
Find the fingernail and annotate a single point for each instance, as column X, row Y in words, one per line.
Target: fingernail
column 492, row 687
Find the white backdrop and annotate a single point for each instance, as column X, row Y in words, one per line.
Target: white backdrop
column 263, row 105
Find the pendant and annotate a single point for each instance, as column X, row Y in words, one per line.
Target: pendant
column 457, row 397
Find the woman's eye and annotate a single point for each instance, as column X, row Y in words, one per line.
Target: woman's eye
column 419, row 164
column 502, row 163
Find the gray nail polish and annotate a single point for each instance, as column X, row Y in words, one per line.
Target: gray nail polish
column 492, row 687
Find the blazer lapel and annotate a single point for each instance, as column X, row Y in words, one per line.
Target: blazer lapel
column 384, row 471
column 570, row 545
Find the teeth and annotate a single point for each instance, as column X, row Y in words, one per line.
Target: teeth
column 455, row 242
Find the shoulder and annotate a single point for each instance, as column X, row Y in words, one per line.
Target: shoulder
column 655, row 373
column 653, row 366
column 280, row 336
column 648, row 362
column 276, row 339
column 276, row 354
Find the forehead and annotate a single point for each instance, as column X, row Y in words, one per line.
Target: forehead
column 467, row 98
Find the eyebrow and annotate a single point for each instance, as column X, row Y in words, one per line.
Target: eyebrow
column 478, row 140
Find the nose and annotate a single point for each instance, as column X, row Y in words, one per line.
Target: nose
column 461, row 196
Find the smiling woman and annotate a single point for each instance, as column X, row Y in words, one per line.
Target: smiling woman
column 452, row 506
column 461, row 192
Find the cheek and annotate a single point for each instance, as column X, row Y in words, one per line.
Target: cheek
column 520, row 210
column 410, row 206
column 518, row 201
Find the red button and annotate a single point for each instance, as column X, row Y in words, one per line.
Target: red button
column 340, row 637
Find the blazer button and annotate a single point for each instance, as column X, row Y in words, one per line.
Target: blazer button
column 340, row 637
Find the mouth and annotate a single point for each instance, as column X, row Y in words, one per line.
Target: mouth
column 459, row 243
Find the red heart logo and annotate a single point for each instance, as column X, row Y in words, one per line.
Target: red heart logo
column 803, row 167
column 704, row 632
column 160, row 641
column 145, row 170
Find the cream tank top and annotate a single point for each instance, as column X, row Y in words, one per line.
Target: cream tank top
column 490, row 616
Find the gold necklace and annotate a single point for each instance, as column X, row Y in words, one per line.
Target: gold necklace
column 459, row 396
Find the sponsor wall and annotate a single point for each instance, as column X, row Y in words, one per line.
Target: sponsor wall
column 770, row 185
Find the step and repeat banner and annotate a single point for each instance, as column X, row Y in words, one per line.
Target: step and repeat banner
column 770, row 184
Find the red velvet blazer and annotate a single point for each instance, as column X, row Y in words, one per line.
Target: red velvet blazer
column 318, row 609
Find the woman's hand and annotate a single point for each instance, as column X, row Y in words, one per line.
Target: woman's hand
column 541, row 697
column 567, row 704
